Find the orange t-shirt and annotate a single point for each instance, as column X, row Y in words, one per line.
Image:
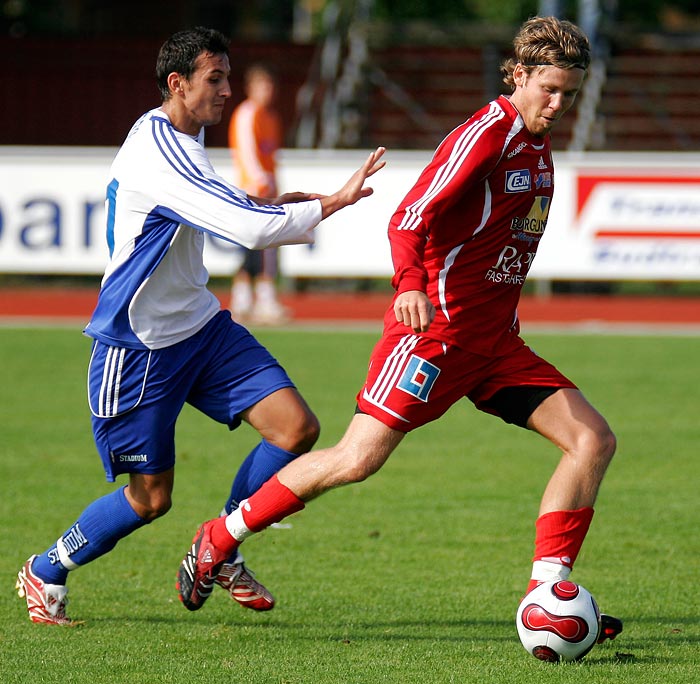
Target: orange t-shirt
column 254, row 136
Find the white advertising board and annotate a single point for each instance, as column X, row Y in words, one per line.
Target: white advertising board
column 617, row 217
column 614, row 217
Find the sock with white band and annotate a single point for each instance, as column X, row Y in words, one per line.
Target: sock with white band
column 98, row 529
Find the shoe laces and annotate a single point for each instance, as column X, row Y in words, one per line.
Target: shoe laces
column 237, row 573
column 230, row 572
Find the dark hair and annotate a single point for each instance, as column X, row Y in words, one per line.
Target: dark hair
column 179, row 53
column 548, row 41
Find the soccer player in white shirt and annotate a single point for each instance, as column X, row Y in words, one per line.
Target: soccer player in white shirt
column 160, row 337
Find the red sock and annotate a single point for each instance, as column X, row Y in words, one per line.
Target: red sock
column 270, row 504
column 559, row 536
column 221, row 537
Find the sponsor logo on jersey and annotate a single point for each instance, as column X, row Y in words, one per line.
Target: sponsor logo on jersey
column 536, row 220
column 512, row 266
column 543, row 180
column 518, row 181
column 517, row 150
column 505, row 278
column 541, row 164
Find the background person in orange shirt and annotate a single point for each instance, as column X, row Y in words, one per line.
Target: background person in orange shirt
column 255, row 135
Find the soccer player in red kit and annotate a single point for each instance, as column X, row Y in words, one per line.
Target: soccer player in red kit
column 462, row 243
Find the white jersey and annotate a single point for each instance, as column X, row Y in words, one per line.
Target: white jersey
column 164, row 195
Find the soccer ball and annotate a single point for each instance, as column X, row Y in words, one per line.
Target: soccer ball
column 558, row 621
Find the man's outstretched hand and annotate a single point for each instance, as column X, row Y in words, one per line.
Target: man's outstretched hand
column 354, row 189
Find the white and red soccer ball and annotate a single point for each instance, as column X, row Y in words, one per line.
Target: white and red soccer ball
column 558, row 621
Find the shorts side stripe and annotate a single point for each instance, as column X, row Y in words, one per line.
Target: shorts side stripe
column 103, row 385
column 108, row 404
column 392, row 368
column 118, row 376
column 117, row 382
column 109, row 390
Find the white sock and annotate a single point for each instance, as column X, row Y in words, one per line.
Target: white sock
column 235, row 524
column 544, row 571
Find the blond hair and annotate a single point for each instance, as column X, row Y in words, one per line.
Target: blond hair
column 547, row 41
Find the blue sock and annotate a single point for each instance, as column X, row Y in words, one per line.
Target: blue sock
column 259, row 466
column 98, row 529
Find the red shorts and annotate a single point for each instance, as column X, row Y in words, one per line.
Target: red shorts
column 413, row 380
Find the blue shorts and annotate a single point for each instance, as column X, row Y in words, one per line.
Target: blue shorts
column 136, row 395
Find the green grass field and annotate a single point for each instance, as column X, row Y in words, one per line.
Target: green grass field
column 412, row 576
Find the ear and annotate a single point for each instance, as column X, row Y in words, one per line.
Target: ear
column 519, row 75
column 176, row 83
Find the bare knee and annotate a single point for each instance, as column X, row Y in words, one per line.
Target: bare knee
column 593, row 452
column 157, row 507
column 599, row 444
column 284, row 419
column 150, row 495
column 305, row 435
column 610, row 444
column 150, row 508
column 297, row 436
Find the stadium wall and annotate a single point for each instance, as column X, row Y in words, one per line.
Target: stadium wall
column 90, row 90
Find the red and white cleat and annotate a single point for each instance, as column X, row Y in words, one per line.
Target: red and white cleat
column 242, row 586
column 46, row 603
column 199, row 568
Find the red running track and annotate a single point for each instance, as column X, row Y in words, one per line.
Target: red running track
column 57, row 303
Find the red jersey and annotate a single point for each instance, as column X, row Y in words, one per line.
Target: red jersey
column 468, row 230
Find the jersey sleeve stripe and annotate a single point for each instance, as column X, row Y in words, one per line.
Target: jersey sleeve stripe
column 177, row 158
column 445, row 173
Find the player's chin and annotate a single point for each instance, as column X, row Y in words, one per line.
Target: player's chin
column 215, row 116
column 544, row 128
